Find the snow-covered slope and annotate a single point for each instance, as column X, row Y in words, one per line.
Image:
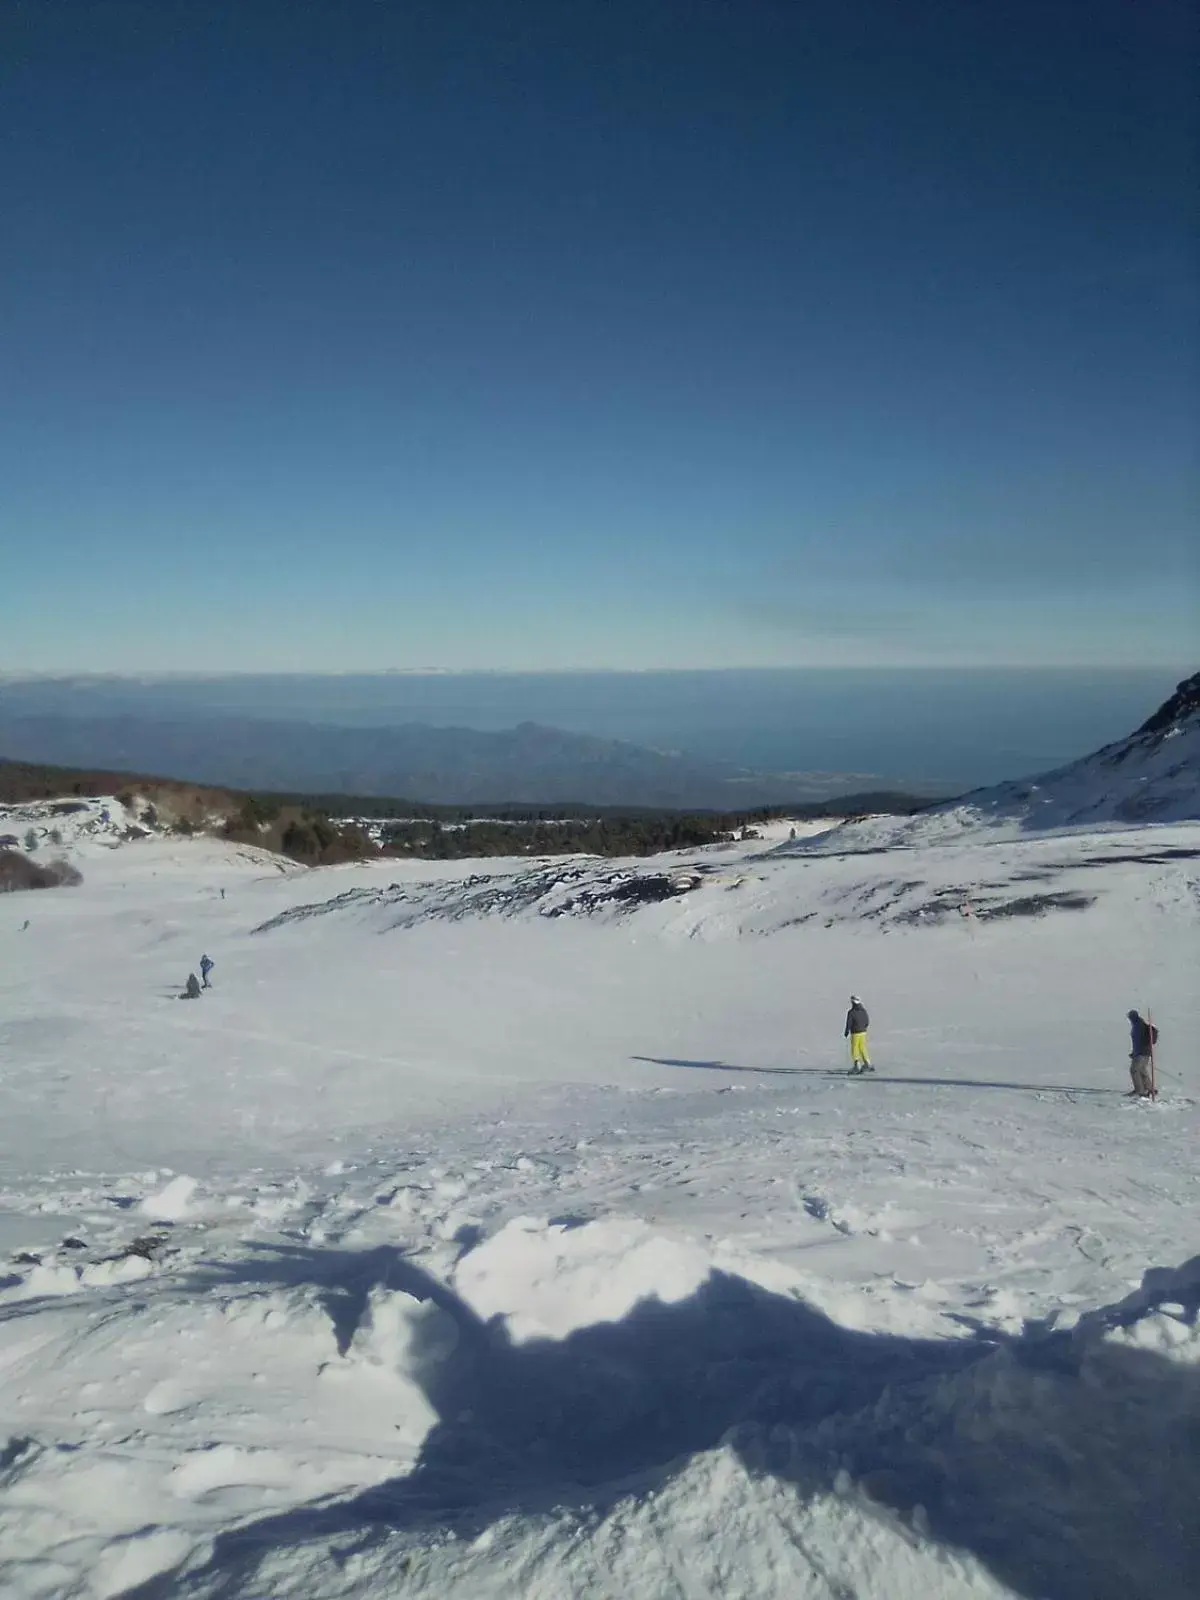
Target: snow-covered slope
column 1153, row 776
column 75, row 826
column 512, row 1230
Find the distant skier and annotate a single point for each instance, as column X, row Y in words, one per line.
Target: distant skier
column 222, row 894
column 192, row 991
column 206, row 967
column 1143, row 1036
column 857, row 1023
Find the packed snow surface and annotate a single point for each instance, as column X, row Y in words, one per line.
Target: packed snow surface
column 514, row 1230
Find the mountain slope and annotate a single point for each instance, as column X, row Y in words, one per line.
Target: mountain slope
column 528, row 764
column 1153, row 775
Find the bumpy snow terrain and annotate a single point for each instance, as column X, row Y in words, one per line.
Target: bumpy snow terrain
column 514, row 1231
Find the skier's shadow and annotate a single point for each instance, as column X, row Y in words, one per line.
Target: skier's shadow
column 878, row 1077
column 1068, row 1464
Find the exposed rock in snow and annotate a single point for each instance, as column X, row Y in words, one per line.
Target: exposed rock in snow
column 1175, row 711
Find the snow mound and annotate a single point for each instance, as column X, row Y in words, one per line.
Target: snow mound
column 1161, row 1315
column 746, row 1438
column 545, row 1280
column 572, row 888
column 171, row 1202
column 401, row 1334
column 79, row 825
column 717, row 1530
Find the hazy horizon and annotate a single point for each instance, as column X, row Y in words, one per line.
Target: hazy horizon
column 925, row 727
column 234, row 674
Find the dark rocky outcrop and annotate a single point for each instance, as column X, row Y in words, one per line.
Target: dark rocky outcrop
column 1185, row 702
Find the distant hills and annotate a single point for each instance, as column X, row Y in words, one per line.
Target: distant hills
column 530, row 764
column 60, row 806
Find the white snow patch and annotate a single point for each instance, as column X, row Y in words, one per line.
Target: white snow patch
column 402, row 1335
column 48, row 1279
column 134, row 1560
column 125, row 1269
column 172, row 1202
column 546, row 1281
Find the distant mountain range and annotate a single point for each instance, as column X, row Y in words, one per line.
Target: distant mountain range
column 528, row 764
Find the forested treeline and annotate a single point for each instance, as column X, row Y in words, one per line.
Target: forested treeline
column 598, row 836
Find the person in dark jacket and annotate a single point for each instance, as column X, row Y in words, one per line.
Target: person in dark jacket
column 857, row 1023
column 206, row 967
column 192, row 991
column 1143, row 1036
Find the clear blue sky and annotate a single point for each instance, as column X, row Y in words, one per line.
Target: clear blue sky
column 553, row 333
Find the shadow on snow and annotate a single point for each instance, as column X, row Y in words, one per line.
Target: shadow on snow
column 1069, row 1465
column 877, row 1077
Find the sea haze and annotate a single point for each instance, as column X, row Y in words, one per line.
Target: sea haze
column 935, row 730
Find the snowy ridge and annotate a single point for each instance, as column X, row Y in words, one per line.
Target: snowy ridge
column 709, row 896
column 1153, row 776
column 571, row 888
column 75, row 826
column 90, row 825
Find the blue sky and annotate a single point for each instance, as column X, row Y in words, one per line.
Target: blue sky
column 629, row 333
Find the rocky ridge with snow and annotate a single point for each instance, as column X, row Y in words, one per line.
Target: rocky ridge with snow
column 1150, row 777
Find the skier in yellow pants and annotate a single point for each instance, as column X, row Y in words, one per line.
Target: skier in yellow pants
column 857, row 1023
